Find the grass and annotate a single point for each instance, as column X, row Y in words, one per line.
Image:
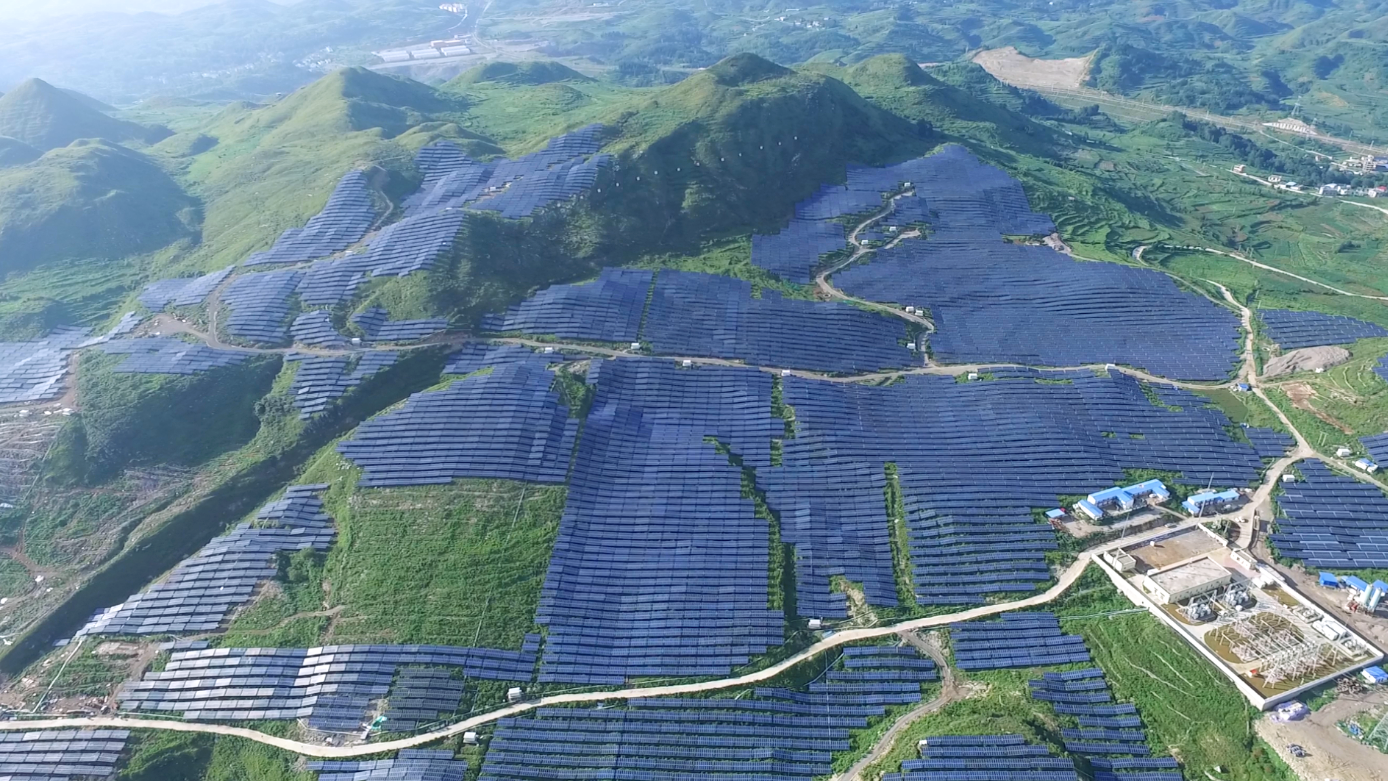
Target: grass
column 1351, row 395
column 729, row 258
column 460, row 564
column 158, row 755
column 237, row 759
column 14, row 578
column 1243, row 408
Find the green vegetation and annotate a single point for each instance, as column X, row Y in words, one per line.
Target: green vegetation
column 1340, row 405
column 729, row 258
column 44, row 117
column 1243, row 408
column 460, row 564
column 238, row 759
column 167, row 756
column 89, row 200
column 14, row 578
column 133, row 419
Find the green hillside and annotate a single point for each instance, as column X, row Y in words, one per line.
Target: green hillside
column 16, row 152
column 533, row 72
column 89, row 200
column 45, row 117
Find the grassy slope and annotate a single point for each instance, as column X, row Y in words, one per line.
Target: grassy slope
column 89, row 200
column 460, row 564
column 45, row 117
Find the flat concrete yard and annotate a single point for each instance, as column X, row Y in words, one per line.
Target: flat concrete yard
column 1165, row 551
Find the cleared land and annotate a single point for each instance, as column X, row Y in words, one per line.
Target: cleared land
column 1012, row 67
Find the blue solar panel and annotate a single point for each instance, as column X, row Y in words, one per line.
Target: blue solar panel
column 657, row 541
column 1292, row 329
column 707, row 315
column 505, row 424
column 259, row 305
column 606, row 310
column 316, row 329
column 1267, row 442
column 319, row 380
column 202, row 590
column 1332, row 521
column 189, row 291
column 378, row 327
column 1377, row 445
column 332, row 687
column 793, row 253
column 344, row 220
column 1018, row 640
column 166, row 355
column 61, row 755
column 409, row 765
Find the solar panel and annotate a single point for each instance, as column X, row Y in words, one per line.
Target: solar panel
column 61, row 755
column 507, row 424
column 378, row 327
column 344, row 220
column 331, row 687
column 316, row 329
column 202, row 590
column 707, row 315
column 998, row 645
column 34, row 370
column 1377, row 445
column 166, row 355
column 1332, row 521
column 192, row 291
column 608, row 309
column 1292, row 329
column 408, row 765
column 319, row 380
column 657, row 543
column 259, row 305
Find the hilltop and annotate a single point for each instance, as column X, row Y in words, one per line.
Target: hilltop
column 92, row 199
column 45, row 117
column 534, row 72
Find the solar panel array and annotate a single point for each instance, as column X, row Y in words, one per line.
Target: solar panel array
column 259, row 304
column 1381, row 368
column 973, row 459
column 867, row 666
column 413, row 764
column 316, row 329
column 1269, row 442
column 344, row 220
column 506, row 424
column 331, row 687
column 335, row 281
column 1332, row 521
column 1110, row 736
column 378, row 327
column 475, row 356
column 414, row 243
column 661, row 565
column 608, row 309
column 565, row 168
column 189, row 291
column 949, row 188
column 61, row 754
column 984, row 758
column 708, row 315
column 421, row 696
column 774, row 734
column 794, row 252
column 321, row 379
column 33, row 370
column 166, row 355
column 1377, row 445
column 1026, row 304
column 1018, row 640
column 203, row 589
column 1293, row 329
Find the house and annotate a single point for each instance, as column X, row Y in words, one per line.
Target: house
column 1197, row 504
column 1366, row 465
column 1329, row 580
column 1375, row 675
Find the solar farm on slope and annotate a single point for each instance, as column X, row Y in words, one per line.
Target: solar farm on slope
column 1332, row 521
column 1294, row 329
column 166, row 355
column 984, row 758
column 201, row 591
column 1110, row 735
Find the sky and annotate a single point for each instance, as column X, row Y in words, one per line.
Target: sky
column 38, row 9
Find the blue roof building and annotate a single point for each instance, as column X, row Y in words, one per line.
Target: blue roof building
column 1089, row 508
column 1375, row 675
column 1355, row 583
column 1122, row 499
column 1196, row 504
column 1055, row 515
column 1329, row 580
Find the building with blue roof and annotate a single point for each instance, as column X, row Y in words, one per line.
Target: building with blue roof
column 1375, row 675
column 1329, row 580
column 1355, row 583
column 1122, row 499
column 1197, row 504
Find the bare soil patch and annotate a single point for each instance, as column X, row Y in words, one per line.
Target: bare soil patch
column 1301, row 394
column 1305, row 360
column 1012, row 67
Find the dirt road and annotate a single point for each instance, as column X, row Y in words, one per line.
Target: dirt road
column 1330, row 754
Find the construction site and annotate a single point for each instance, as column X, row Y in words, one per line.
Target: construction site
column 1274, row 643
